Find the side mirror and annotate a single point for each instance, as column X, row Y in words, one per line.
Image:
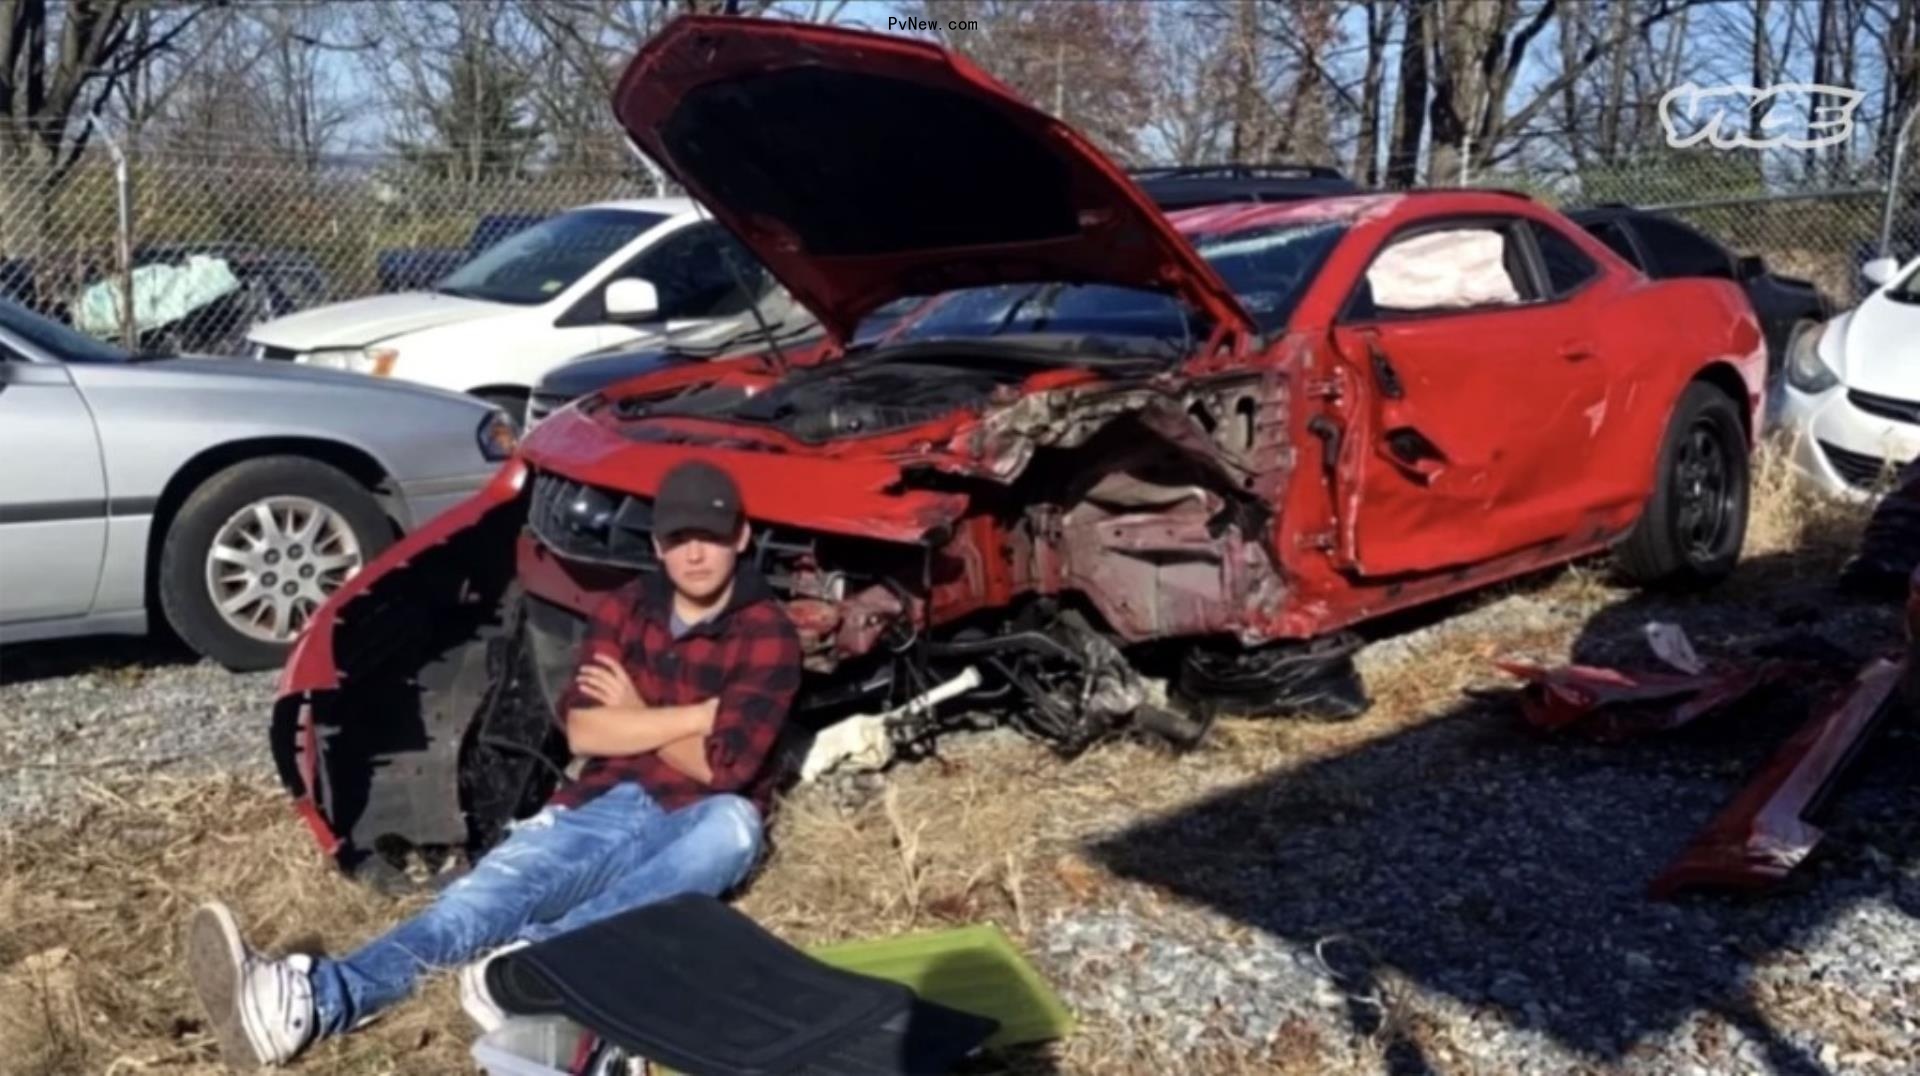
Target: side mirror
column 1879, row 271
column 1750, row 266
column 632, row 299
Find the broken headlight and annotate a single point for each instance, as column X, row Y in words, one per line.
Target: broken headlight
column 1805, row 370
column 497, row 436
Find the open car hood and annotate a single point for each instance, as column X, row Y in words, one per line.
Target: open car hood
column 862, row 168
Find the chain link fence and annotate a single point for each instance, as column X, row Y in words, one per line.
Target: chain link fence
column 213, row 246
column 214, row 243
column 1808, row 220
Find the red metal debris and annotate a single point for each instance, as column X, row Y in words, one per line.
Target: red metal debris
column 1763, row 833
column 1612, row 704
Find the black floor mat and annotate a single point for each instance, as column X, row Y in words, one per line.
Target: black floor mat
column 699, row 987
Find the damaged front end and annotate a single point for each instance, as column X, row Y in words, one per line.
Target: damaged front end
column 1036, row 554
column 1041, row 538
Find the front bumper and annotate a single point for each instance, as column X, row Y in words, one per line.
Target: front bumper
column 1842, row 448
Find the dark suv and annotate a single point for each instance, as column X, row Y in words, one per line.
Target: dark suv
column 1665, row 248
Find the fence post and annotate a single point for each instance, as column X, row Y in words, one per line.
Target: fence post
column 123, row 233
column 654, row 171
column 1893, row 181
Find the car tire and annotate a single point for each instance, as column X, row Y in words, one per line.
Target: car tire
column 1694, row 525
column 226, row 514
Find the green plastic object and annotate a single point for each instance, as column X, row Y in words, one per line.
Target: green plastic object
column 975, row 969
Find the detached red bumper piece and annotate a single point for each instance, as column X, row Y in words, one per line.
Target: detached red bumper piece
column 1763, row 834
column 1614, row 704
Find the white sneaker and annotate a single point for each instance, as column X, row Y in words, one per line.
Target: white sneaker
column 475, row 998
column 261, row 1010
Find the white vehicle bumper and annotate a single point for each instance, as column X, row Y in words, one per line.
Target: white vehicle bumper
column 1843, row 448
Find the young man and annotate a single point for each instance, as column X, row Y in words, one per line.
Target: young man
column 683, row 686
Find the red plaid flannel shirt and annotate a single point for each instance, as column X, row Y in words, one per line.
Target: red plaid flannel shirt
column 747, row 655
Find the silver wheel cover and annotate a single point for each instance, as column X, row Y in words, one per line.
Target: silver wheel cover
column 274, row 562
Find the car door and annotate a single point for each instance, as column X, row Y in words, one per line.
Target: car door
column 1480, row 391
column 53, row 493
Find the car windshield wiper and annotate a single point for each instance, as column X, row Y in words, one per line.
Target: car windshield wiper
column 744, row 339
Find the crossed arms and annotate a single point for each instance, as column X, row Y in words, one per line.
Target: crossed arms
column 623, row 724
column 722, row 743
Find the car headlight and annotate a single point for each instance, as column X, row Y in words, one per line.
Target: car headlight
column 1805, row 371
column 377, row 361
column 498, row 440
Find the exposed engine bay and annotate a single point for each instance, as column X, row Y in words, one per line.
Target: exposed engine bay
column 842, row 401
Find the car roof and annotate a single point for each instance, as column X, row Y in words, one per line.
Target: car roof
column 670, row 206
column 1606, row 210
column 1233, row 217
column 1236, row 216
column 1183, row 187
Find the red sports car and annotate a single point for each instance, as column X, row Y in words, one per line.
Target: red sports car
column 1116, row 447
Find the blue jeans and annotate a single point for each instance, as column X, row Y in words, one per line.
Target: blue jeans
column 557, row 871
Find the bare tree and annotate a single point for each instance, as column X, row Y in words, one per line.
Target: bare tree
column 1409, row 124
column 59, row 65
column 264, row 80
column 456, row 78
column 1187, row 80
column 58, row 71
column 1076, row 58
column 579, row 48
column 1366, row 155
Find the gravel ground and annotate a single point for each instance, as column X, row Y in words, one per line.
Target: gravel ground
column 114, row 707
column 1465, row 896
column 1457, row 895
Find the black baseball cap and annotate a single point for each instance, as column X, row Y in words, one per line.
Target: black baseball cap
column 697, row 496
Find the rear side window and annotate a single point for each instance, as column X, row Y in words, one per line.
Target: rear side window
column 1617, row 240
column 1677, row 250
column 1568, row 267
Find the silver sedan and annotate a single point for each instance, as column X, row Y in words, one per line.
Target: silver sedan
column 230, row 495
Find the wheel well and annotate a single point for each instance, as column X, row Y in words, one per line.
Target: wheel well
column 361, row 467
column 1724, row 377
column 519, row 391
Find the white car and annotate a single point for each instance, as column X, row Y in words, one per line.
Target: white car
column 587, row 279
column 1852, row 394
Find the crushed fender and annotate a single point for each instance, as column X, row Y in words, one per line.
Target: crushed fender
column 1763, row 834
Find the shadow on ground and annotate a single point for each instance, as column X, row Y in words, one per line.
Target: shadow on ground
column 23, row 662
column 1509, row 870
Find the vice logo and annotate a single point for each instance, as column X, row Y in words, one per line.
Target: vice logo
column 1800, row 115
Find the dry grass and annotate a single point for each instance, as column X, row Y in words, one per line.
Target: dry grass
column 113, row 890
column 1792, row 524
column 90, row 913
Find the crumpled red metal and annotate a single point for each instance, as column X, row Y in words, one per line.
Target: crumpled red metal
column 1616, row 704
column 1762, row 834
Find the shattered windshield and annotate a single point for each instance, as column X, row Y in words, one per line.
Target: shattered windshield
column 1268, row 268
column 532, row 266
